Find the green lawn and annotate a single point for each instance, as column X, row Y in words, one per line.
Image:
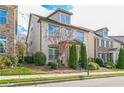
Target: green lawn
column 59, row 78
column 17, row 71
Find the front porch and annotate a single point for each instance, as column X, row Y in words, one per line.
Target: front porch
column 110, row 55
column 61, row 52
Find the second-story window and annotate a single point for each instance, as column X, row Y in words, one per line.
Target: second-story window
column 105, row 45
column 99, row 42
column 65, row 19
column 102, row 43
column 110, row 44
column 3, row 16
column 52, row 30
column 80, row 36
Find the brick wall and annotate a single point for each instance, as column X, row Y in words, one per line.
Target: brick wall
column 9, row 28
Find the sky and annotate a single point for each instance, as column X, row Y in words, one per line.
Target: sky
column 92, row 17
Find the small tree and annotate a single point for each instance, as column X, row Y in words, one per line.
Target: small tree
column 21, row 49
column 120, row 63
column 73, row 57
column 39, row 58
column 83, row 56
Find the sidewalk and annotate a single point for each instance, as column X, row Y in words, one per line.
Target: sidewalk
column 51, row 75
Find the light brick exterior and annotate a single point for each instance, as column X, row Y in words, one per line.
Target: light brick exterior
column 10, row 29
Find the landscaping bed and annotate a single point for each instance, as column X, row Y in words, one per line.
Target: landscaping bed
column 61, row 70
column 30, row 69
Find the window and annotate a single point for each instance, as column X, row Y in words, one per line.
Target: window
column 105, row 34
column 80, row 36
column 53, row 53
column 100, row 55
column 99, row 41
column 3, row 16
column 110, row 44
column 105, row 44
column 52, row 30
column 65, row 19
column 3, row 44
column 102, row 43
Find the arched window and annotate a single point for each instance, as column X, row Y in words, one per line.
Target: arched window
column 3, row 44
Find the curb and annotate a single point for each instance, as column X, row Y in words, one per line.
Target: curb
column 38, row 82
column 52, row 81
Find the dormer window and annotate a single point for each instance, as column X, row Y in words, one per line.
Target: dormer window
column 65, row 19
column 105, row 34
column 61, row 16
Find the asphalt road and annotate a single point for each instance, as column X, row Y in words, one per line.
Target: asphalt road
column 101, row 82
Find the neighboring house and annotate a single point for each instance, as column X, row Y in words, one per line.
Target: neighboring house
column 47, row 34
column 8, row 29
column 119, row 39
column 104, row 47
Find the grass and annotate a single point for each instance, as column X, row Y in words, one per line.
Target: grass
column 17, row 71
column 59, row 78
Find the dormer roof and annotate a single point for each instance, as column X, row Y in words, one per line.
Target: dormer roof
column 59, row 10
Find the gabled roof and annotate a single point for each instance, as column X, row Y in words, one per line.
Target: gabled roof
column 67, row 25
column 118, row 39
column 98, row 32
column 60, row 10
column 101, row 29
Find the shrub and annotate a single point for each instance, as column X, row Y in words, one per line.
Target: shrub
column 100, row 61
column 110, row 64
column 29, row 59
column 7, row 61
column 73, row 57
column 120, row 63
column 93, row 66
column 83, row 56
column 39, row 59
column 53, row 65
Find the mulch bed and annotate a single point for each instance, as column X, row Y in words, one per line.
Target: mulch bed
column 48, row 70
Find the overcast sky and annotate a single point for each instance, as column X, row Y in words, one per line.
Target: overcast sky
column 92, row 17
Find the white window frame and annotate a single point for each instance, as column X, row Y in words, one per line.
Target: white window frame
column 105, row 44
column 100, row 43
column 53, row 54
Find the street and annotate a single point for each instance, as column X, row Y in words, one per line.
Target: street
column 100, row 82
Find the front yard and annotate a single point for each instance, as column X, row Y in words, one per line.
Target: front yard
column 30, row 69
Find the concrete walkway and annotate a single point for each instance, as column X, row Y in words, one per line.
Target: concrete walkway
column 52, row 75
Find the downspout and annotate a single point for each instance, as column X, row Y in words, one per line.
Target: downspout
column 40, row 37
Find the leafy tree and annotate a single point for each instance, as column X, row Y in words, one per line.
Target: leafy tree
column 83, row 56
column 120, row 63
column 73, row 57
column 21, row 49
